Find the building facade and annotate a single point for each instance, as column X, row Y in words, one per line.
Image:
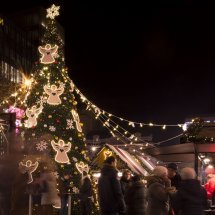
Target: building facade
column 20, row 35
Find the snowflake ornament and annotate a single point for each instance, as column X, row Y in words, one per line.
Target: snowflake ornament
column 69, row 124
column 56, row 175
column 52, row 128
column 74, row 159
column 53, row 11
column 75, row 190
column 41, row 146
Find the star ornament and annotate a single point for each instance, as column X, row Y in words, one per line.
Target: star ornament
column 53, row 11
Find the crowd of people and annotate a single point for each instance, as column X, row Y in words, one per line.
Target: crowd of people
column 46, row 199
column 165, row 192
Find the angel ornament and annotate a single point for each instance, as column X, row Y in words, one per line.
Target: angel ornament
column 62, row 149
column 29, row 168
column 77, row 120
column 82, row 167
column 54, row 93
column 48, row 53
column 32, row 114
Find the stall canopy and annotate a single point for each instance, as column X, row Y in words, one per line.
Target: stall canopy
column 136, row 165
column 181, row 152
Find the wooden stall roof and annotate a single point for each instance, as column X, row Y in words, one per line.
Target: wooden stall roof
column 181, row 152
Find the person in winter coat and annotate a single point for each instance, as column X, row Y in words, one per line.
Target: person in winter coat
column 135, row 197
column 191, row 198
column 158, row 192
column 210, row 186
column 50, row 198
column 64, row 192
column 20, row 197
column 125, row 181
column 86, row 193
column 110, row 195
column 173, row 175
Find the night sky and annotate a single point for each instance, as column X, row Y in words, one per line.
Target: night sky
column 145, row 62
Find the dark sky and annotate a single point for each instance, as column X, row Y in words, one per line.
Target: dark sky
column 146, row 62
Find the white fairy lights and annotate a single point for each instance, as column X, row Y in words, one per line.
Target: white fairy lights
column 53, row 11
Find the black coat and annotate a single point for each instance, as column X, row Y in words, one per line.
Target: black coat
column 191, row 198
column 86, row 189
column 109, row 191
column 135, row 199
column 176, row 181
column 125, row 184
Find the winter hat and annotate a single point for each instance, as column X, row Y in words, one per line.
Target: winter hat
column 172, row 166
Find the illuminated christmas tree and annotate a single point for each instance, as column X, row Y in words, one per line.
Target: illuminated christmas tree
column 51, row 109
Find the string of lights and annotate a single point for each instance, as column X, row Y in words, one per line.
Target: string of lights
column 104, row 116
column 130, row 123
column 172, row 138
column 107, row 121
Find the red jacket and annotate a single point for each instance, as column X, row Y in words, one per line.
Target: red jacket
column 210, row 187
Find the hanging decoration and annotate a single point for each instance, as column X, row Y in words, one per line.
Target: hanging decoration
column 62, row 149
column 82, row 167
column 54, row 93
column 77, row 120
column 48, row 53
column 192, row 132
column 91, row 106
column 32, row 114
column 41, row 146
column 53, row 11
column 69, row 124
column 72, row 86
column 107, row 153
column 29, row 168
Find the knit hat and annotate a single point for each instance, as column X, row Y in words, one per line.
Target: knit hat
column 172, row 166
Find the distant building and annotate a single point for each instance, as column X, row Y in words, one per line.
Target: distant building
column 20, row 35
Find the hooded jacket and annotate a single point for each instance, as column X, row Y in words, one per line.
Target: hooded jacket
column 191, row 198
column 109, row 191
column 135, row 199
column 157, row 197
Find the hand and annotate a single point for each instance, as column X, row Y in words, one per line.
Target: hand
column 167, row 181
column 171, row 189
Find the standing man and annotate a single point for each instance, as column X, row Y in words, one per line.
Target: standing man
column 110, row 195
column 173, row 175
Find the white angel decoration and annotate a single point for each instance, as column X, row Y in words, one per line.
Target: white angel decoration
column 77, row 120
column 62, row 149
column 32, row 114
column 28, row 167
column 82, row 167
column 48, row 53
column 54, row 93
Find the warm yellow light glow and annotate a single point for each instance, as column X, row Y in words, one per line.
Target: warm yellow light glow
column 27, row 81
column 93, row 148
